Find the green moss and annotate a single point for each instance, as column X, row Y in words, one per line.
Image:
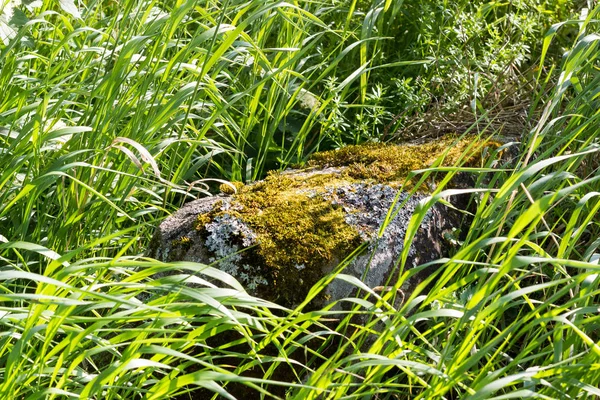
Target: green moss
column 183, row 243
column 202, row 220
column 298, row 233
column 392, row 163
column 231, row 187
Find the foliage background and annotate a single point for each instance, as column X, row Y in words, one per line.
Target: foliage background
column 113, row 114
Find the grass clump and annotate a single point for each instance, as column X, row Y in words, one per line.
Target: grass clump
column 112, row 115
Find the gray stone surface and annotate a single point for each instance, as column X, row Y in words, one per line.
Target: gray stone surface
column 367, row 207
column 181, row 225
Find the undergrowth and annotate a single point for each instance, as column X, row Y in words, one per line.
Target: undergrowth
column 114, row 114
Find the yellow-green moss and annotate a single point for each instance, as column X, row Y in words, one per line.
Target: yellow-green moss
column 203, row 219
column 388, row 163
column 230, row 187
column 183, row 242
column 298, row 233
column 294, row 228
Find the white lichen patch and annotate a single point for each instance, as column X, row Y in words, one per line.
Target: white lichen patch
column 366, row 207
column 227, row 237
column 252, row 277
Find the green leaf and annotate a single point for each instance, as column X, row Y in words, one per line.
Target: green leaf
column 69, row 7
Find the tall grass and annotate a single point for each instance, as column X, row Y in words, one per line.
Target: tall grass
column 113, row 114
column 119, row 112
column 514, row 312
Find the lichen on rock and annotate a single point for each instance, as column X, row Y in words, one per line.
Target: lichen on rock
column 279, row 236
column 220, row 241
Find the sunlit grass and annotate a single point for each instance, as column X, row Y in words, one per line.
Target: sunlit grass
column 114, row 114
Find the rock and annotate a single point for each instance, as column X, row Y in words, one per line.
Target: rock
column 279, row 236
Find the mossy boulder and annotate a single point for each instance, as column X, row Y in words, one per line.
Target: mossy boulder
column 279, row 236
